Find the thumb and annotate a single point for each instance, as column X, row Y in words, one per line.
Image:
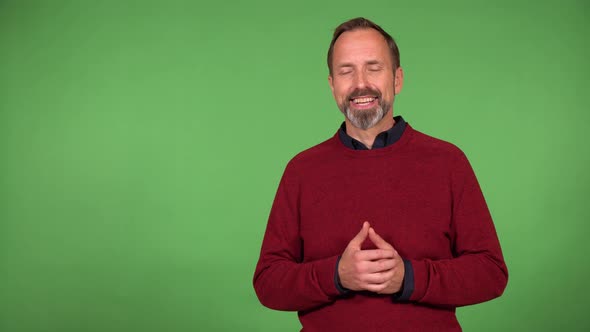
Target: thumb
column 358, row 240
column 378, row 240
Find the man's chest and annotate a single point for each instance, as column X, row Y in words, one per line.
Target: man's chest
column 410, row 208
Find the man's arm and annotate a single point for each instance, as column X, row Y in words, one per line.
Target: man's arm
column 477, row 273
column 281, row 280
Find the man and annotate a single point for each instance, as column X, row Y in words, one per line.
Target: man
column 381, row 227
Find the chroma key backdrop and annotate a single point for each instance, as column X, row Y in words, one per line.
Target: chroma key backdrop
column 141, row 145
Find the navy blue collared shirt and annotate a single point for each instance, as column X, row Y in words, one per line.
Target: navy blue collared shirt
column 382, row 140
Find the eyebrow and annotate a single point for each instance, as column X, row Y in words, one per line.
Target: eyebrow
column 373, row 62
column 342, row 65
column 370, row 62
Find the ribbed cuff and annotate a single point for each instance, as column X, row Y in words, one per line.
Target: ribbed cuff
column 408, row 285
column 421, row 279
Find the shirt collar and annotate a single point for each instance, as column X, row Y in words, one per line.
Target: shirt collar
column 382, row 140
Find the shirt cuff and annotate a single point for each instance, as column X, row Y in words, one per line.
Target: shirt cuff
column 408, row 284
column 341, row 290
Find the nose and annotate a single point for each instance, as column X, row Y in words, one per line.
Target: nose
column 360, row 80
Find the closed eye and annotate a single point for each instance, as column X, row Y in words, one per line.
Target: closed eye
column 374, row 65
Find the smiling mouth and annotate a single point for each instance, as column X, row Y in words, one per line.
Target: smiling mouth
column 362, row 101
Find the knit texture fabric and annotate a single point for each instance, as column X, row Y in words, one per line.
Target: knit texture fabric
column 420, row 194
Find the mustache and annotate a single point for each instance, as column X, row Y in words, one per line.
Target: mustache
column 364, row 92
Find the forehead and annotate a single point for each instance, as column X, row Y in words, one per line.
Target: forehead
column 361, row 45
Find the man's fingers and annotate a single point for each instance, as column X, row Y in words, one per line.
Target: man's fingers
column 381, row 265
column 358, row 240
column 375, row 288
column 378, row 240
column 378, row 277
column 374, row 254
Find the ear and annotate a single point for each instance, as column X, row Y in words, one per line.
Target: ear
column 331, row 83
column 398, row 80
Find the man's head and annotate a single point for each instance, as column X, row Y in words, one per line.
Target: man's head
column 365, row 73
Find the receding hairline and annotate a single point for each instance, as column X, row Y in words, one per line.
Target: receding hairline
column 361, row 23
column 368, row 62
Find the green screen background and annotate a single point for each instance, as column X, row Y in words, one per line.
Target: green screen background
column 141, row 144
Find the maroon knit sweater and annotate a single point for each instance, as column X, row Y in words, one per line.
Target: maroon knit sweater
column 420, row 194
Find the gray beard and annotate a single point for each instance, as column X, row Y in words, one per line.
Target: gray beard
column 365, row 119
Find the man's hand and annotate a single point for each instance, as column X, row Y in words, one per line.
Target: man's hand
column 394, row 283
column 378, row 270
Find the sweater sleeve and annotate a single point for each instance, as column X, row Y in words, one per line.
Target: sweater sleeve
column 477, row 271
column 282, row 280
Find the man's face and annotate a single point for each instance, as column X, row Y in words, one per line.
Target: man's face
column 362, row 79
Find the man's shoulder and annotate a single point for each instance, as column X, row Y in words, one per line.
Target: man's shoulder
column 427, row 145
column 315, row 157
column 317, row 153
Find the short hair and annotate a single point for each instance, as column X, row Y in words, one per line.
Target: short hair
column 363, row 23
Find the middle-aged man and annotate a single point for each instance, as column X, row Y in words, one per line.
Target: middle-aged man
column 381, row 227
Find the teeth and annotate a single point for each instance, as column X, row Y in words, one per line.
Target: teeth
column 363, row 100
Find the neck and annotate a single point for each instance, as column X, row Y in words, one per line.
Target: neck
column 367, row 137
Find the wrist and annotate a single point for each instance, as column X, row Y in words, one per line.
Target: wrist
column 337, row 282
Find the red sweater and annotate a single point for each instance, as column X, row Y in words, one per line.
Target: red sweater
column 420, row 194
